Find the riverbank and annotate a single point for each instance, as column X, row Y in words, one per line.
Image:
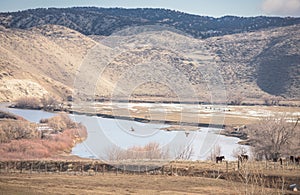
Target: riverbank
column 183, row 114
column 54, row 137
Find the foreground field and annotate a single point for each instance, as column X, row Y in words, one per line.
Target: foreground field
column 121, row 184
column 88, row 177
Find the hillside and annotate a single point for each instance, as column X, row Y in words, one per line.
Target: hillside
column 159, row 64
column 170, row 65
column 105, row 21
column 39, row 61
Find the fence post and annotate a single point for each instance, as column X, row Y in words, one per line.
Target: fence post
column 15, row 167
column 60, row 167
column 139, row 166
column 31, row 166
column 21, row 166
column 226, row 166
column 7, row 166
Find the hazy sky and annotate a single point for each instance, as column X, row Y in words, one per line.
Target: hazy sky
column 214, row 8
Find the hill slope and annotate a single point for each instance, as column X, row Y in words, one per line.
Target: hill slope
column 39, row 61
column 53, row 59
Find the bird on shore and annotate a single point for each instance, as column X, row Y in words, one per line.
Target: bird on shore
column 132, row 129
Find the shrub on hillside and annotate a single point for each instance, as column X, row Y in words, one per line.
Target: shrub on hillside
column 49, row 103
column 28, row 103
column 60, row 122
column 15, row 130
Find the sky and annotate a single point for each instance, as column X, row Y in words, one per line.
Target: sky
column 215, row 8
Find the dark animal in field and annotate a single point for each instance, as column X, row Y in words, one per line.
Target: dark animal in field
column 292, row 159
column 243, row 157
column 283, row 160
column 297, row 160
column 219, row 158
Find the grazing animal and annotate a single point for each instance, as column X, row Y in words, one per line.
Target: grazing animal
column 186, row 133
column 297, row 160
column 283, row 160
column 219, row 158
column 243, row 157
column 292, row 159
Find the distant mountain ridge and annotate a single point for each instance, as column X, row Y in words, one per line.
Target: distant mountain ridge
column 105, row 21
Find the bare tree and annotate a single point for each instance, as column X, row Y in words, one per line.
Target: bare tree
column 274, row 136
column 272, row 100
column 236, row 99
column 239, row 151
column 184, row 153
column 150, row 151
column 27, row 103
column 49, row 103
column 216, row 151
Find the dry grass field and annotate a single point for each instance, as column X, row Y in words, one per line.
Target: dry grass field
column 121, row 184
column 251, row 178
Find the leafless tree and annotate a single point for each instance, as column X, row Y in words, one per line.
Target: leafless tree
column 150, row 151
column 216, row 151
column 239, row 151
column 272, row 100
column 49, row 103
column 184, row 153
column 28, row 103
column 236, row 99
column 274, row 136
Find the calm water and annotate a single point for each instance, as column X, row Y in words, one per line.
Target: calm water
column 106, row 134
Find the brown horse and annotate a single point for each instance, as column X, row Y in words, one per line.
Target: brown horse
column 219, row 158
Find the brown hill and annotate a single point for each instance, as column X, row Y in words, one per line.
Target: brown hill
column 149, row 65
column 39, row 61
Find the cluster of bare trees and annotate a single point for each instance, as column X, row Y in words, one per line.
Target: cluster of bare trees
column 16, row 130
column 150, row 151
column 28, row 102
column 274, row 137
column 216, row 151
column 61, row 122
column 272, row 100
column 48, row 103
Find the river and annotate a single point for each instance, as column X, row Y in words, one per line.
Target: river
column 106, row 134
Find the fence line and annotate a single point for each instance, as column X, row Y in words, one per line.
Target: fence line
column 180, row 168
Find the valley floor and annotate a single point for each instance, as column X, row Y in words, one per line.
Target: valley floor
column 119, row 184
